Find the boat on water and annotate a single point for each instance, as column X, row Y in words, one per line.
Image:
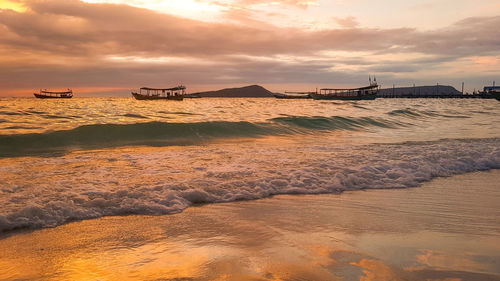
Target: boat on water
column 146, row 93
column 493, row 91
column 496, row 95
column 293, row 95
column 363, row 93
column 44, row 94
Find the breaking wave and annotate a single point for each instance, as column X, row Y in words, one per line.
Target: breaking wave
column 157, row 187
column 412, row 113
column 164, row 134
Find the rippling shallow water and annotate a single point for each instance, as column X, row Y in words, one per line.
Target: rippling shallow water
column 85, row 158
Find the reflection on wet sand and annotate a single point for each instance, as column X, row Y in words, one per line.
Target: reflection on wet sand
column 445, row 230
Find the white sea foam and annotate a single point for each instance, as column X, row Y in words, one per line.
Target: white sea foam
column 45, row 192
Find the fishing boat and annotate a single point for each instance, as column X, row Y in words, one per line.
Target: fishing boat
column 293, row 95
column 496, row 95
column 492, row 91
column 44, row 94
column 363, row 93
column 145, row 93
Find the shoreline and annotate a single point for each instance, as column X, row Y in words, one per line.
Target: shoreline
column 115, row 182
column 444, row 229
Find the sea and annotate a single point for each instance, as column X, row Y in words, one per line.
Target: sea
column 86, row 158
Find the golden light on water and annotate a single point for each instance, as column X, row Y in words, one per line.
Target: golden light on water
column 270, row 239
column 149, row 261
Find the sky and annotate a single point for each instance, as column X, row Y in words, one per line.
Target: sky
column 113, row 46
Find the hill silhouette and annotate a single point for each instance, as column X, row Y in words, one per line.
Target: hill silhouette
column 252, row 91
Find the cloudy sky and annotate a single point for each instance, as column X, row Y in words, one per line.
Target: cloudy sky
column 111, row 46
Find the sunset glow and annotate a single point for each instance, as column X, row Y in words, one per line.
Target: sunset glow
column 237, row 42
column 183, row 8
column 12, row 5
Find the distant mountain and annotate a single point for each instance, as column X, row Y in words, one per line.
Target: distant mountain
column 420, row 90
column 253, row 91
column 256, row 91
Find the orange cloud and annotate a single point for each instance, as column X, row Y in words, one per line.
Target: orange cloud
column 488, row 60
column 76, row 44
column 375, row 270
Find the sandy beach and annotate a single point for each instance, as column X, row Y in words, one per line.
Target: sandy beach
column 447, row 229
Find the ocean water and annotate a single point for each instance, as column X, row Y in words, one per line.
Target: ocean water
column 66, row 160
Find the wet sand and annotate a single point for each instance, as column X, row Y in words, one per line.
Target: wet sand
column 447, row 229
